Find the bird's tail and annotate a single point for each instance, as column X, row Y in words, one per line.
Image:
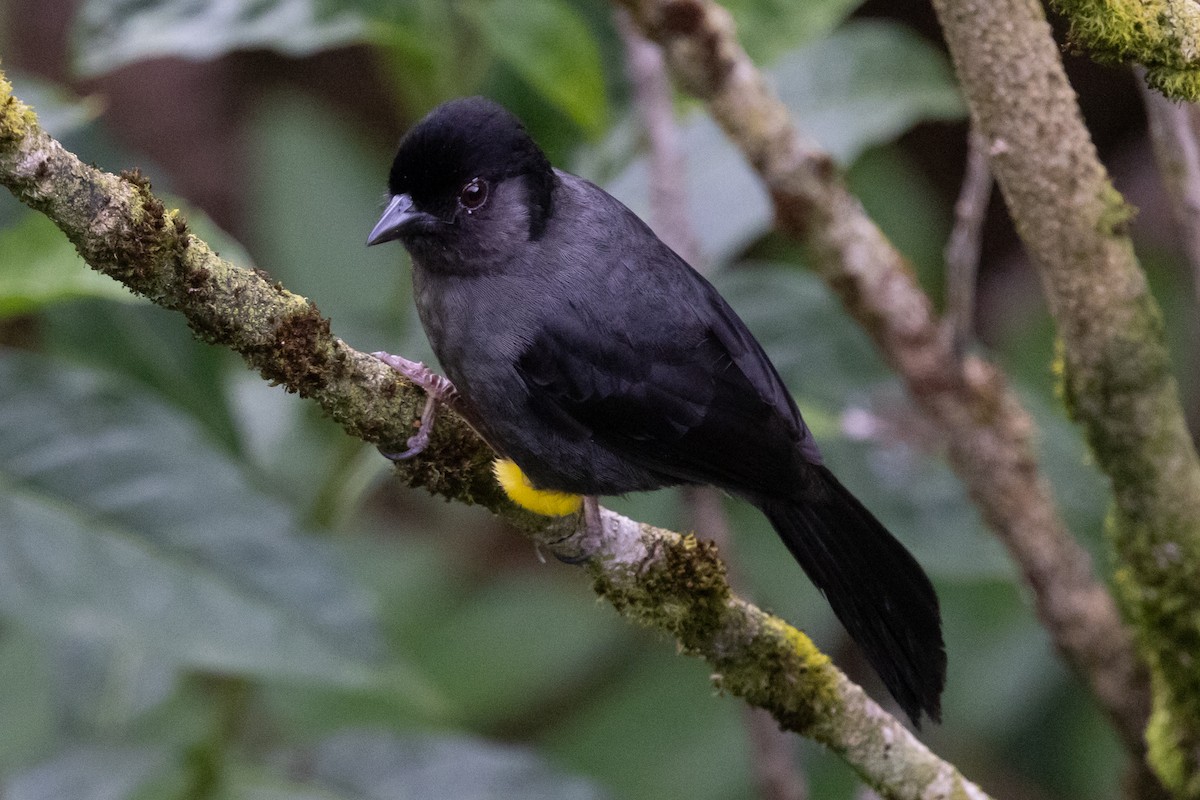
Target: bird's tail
column 876, row 588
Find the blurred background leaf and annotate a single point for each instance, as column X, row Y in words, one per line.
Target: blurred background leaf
column 122, row 524
column 375, row 766
column 41, row 267
column 60, row 112
column 92, row 773
column 114, row 33
column 546, row 43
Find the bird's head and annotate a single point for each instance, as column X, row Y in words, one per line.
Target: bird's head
column 467, row 175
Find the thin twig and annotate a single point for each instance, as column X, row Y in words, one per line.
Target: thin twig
column 774, row 758
column 668, row 167
column 965, row 242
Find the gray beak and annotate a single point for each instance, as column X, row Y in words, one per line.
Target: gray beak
column 399, row 213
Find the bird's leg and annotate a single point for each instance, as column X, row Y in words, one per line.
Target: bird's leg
column 586, row 542
column 438, row 390
column 591, row 515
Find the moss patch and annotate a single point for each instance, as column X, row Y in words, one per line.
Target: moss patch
column 783, row 672
column 680, row 588
column 1162, row 35
column 15, row 116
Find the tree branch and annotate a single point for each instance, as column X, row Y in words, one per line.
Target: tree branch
column 1116, row 371
column 652, row 576
column 987, row 430
column 963, row 246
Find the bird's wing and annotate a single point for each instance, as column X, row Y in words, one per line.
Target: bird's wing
column 684, row 391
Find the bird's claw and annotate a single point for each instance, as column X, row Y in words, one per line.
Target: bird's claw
column 416, row 445
column 434, row 385
column 437, row 389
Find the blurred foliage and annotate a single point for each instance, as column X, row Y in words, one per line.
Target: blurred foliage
column 114, row 33
column 208, row 591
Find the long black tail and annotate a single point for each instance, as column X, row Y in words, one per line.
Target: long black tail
column 876, row 588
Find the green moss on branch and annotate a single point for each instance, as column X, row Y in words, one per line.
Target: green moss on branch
column 1161, row 35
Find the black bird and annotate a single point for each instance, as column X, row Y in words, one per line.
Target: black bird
column 589, row 353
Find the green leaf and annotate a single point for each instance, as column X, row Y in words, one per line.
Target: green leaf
column 255, row 785
column 768, row 28
column 431, row 52
column 42, row 267
column 146, row 345
column 310, row 166
column 29, row 703
column 656, row 729
column 866, row 84
column 535, row 634
column 912, row 212
column 119, row 523
column 548, row 45
column 861, row 86
column 373, row 766
column 112, row 33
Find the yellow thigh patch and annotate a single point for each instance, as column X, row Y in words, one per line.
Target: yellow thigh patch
column 518, row 488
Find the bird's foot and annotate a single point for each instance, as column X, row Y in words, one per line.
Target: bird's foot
column 438, row 390
column 592, row 531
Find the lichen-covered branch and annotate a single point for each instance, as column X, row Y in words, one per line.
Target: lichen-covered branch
column 987, row 430
column 1116, row 373
column 1161, row 35
column 655, row 577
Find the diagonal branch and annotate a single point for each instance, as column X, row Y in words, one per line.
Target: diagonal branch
column 987, row 430
column 652, row 576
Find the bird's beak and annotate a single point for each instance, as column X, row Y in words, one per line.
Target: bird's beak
column 399, row 213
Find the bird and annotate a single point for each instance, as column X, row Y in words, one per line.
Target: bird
column 596, row 361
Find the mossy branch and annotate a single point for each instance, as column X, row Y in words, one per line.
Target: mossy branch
column 1161, row 35
column 1115, row 367
column 987, row 431
column 657, row 578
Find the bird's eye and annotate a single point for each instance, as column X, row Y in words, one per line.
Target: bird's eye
column 473, row 194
